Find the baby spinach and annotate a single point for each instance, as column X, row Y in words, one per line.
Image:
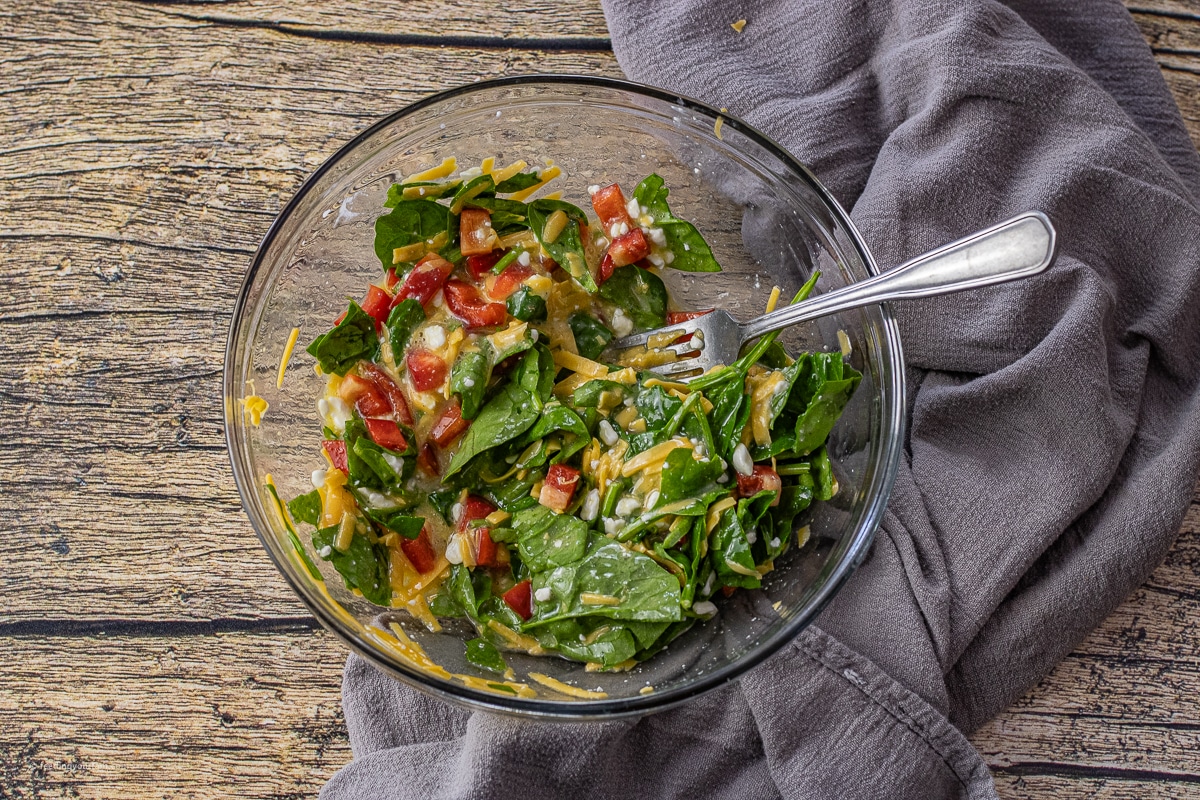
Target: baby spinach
column 608, row 645
column 522, row 180
column 353, row 338
column 591, row 336
column 640, row 293
column 546, row 539
column 410, row 221
column 730, row 553
column 397, row 521
column 442, row 501
column 391, row 469
column 557, row 417
column 306, row 508
column 483, row 654
column 526, row 305
column 822, row 472
column 684, row 476
column 588, row 395
column 567, row 247
column 433, row 190
column 507, row 415
column 401, row 322
column 469, row 379
column 692, row 253
column 363, row 566
column 508, row 216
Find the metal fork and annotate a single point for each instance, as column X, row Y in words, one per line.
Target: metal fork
column 1018, row 248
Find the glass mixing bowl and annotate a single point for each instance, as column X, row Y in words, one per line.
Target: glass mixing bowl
column 769, row 221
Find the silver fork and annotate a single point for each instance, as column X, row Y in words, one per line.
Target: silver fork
column 1018, row 248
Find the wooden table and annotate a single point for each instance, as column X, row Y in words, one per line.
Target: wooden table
column 150, row 648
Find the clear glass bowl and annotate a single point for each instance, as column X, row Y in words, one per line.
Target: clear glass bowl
column 769, row 221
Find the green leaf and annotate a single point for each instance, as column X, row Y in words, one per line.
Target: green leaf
column 410, row 221
column 657, row 406
column 397, row 521
column 306, row 508
column 506, row 416
column 483, row 654
column 546, row 539
column 591, row 336
column 588, row 394
column 692, row 253
column 481, row 186
column 640, row 293
column 684, row 477
column 609, row 644
column 442, row 501
column 522, row 180
column 433, row 190
column 391, row 469
column 469, row 378
column 293, row 537
column 464, row 592
column 823, row 478
column 730, row 553
column 352, row 339
column 363, row 566
column 526, row 305
column 401, row 322
column 567, row 248
column 508, row 216
column 559, row 418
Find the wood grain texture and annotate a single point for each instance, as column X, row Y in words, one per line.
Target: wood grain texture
column 151, row 648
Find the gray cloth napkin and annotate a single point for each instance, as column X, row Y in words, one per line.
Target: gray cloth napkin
column 1055, row 423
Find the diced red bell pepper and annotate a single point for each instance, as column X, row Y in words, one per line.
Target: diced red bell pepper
column 386, row 433
column 559, row 487
column 427, row 276
column 475, row 233
column 427, row 460
column 520, row 599
column 762, row 479
column 426, row 369
column 481, row 265
column 391, row 279
column 336, row 450
column 363, row 395
column 728, row 590
column 450, row 425
column 610, row 206
column 476, row 508
column 419, row 551
column 629, row 249
column 389, row 389
column 485, row 548
column 378, row 304
column 466, row 303
column 509, row 281
column 676, row 317
column 606, row 269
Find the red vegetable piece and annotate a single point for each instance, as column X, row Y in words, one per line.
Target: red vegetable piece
column 762, row 479
column 481, row 265
column 476, row 236
column 728, row 590
column 419, row 551
column 450, row 424
column 391, row 279
column 386, row 433
column 389, row 389
column 363, row 395
column 610, row 206
column 427, row 276
column 378, row 304
column 427, row 460
column 520, row 599
column 481, row 539
column 559, row 487
column 606, row 269
column 426, row 368
column 509, row 281
column 485, row 548
column 629, row 249
column 676, row 317
column 466, row 303
column 336, row 450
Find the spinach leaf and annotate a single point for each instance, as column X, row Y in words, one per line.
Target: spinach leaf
column 294, row 537
column 363, row 566
column 617, row 583
column 557, row 417
column 522, row 180
column 508, row 216
column 483, row 654
column 730, row 553
column 567, row 247
column 433, row 190
column 685, row 477
column 589, row 394
column 361, row 472
column 442, row 501
column 391, row 469
column 401, row 322
column 591, row 336
column 731, row 412
column 469, row 378
column 822, row 473
column 546, row 539
column 352, row 339
column 464, row 592
column 657, row 406
column 692, row 253
column 646, row 633
column 608, row 645
column 396, row 520
column 526, row 305
column 479, row 186
column 410, row 221
column 507, row 415
column 814, row 425
column 640, row 293
column 306, row 508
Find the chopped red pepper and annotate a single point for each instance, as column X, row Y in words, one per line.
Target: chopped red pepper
column 481, row 265
column 476, row 508
column 629, row 249
column 426, row 368
column 509, row 281
column 466, row 303
column 476, row 235
column 426, row 278
column 391, row 279
column 378, row 304
column 762, row 479
column 559, row 487
column 610, row 206
column 450, row 425
column 606, row 269
column 386, row 433
column 520, row 599
column 336, row 450
column 389, row 389
column 363, row 395
column 427, row 460
column 419, row 551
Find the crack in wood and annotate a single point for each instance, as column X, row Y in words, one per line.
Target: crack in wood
column 52, row 628
column 1027, row 768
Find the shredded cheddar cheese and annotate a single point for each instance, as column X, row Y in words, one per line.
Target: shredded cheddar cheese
column 545, row 176
column 287, row 356
column 773, row 300
column 442, row 170
column 255, row 407
column 567, row 689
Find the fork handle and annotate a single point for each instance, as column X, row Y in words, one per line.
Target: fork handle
column 1018, row 248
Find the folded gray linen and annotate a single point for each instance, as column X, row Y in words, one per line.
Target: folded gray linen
column 1054, row 429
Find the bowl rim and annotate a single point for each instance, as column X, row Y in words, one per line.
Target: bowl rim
column 892, row 412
